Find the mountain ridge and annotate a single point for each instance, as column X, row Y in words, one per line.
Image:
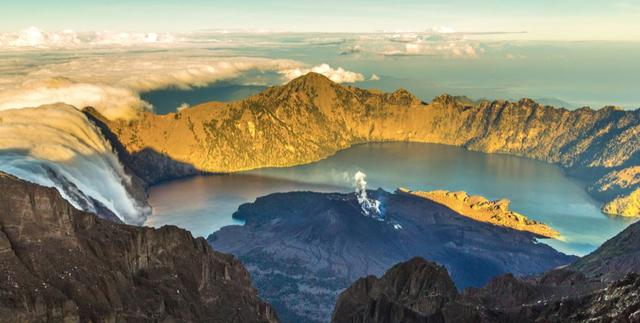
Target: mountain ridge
column 418, row 291
column 311, row 118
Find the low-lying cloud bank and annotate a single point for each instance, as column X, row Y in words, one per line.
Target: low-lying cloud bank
column 109, row 70
column 46, row 139
column 112, row 82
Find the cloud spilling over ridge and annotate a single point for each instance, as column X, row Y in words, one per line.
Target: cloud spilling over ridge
column 57, row 146
column 338, row 75
column 112, row 102
column 112, row 83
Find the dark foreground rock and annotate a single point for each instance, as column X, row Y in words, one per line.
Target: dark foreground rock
column 60, row 264
column 419, row 291
column 304, row 248
column 415, row 291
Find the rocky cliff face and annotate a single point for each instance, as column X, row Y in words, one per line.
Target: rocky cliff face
column 413, row 291
column 420, row 291
column 303, row 248
column 64, row 265
column 311, row 118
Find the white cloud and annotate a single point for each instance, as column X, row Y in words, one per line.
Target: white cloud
column 374, row 77
column 56, row 145
column 421, row 47
column 112, row 82
column 443, row 42
column 338, row 75
column 111, row 78
column 35, row 38
column 443, row 30
column 112, row 102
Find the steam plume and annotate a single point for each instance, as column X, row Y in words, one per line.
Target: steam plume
column 370, row 207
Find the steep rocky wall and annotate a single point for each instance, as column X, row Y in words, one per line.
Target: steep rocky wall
column 60, row 264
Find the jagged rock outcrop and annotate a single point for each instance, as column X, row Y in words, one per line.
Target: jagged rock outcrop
column 419, row 291
column 303, row 248
column 483, row 210
column 59, row 264
column 311, row 118
column 413, row 291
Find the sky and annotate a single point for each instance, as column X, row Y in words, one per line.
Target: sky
column 107, row 53
column 542, row 19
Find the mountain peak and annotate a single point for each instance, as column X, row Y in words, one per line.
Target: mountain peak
column 311, row 80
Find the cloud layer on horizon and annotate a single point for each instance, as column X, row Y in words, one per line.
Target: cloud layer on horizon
column 112, row 82
column 33, row 37
column 442, row 43
column 109, row 70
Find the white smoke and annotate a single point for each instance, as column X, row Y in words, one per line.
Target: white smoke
column 57, row 146
column 370, row 207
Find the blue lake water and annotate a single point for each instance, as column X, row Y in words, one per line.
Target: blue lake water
column 168, row 100
column 204, row 204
